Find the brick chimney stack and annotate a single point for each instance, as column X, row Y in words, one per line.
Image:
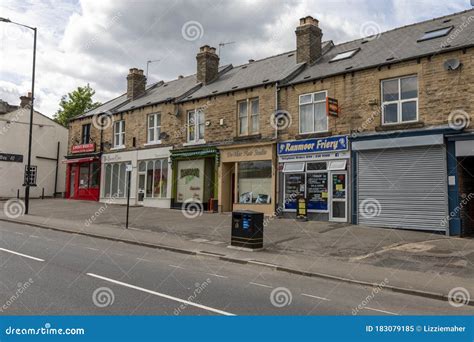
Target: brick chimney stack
column 308, row 40
column 207, row 64
column 136, row 83
column 25, row 100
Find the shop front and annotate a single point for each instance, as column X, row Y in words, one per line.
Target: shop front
column 247, row 178
column 149, row 181
column 83, row 173
column 315, row 169
column 194, row 178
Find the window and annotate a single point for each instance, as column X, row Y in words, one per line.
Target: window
column 86, row 133
column 344, row 55
column 313, row 116
column 155, row 176
column 154, row 128
column 119, row 133
column 196, row 125
column 293, row 167
column 255, row 182
column 249, row 115
column 337, row 165
column 435, row 33
column 400, row 100
column 115, row 180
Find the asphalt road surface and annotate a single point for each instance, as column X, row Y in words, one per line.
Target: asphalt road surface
column 43, row 272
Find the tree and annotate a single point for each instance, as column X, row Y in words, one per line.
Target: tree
column 75, row 103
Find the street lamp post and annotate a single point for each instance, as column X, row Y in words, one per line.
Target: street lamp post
column 30, row 136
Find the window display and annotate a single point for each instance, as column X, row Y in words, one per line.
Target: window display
column 255, row 182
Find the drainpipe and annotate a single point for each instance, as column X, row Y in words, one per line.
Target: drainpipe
column 277, row 180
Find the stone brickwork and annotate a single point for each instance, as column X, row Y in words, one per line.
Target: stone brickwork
column 308, row 40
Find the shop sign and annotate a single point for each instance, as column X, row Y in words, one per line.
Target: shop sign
column 317, row 145
column 247, row 152
column 115, row 157
column 314, row 156
column 83, row 148
column 190, row 180
column 7, row 157
column 332, row 106
column 301, row 208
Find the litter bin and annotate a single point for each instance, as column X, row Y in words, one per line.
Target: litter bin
column 247, row 229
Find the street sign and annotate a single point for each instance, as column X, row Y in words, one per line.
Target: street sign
column 7, row 157
column 128, row 168
column 30, row 175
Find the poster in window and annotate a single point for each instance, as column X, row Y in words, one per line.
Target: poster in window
column 339, row 186
column 190, row 180
column 293, row 183
column 317, row 191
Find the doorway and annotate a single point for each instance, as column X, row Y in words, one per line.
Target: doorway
column 338, row 205
column 466, row 194
column 72, row 181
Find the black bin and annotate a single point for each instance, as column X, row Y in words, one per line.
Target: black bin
column 247, row 229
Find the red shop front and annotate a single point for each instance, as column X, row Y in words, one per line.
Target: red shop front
column 83, row 176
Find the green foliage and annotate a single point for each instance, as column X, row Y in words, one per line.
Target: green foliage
column 75, row 103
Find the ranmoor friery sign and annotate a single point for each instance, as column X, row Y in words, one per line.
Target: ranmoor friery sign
column 329, row 144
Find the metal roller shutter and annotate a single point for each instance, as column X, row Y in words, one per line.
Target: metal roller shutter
column 403, row 188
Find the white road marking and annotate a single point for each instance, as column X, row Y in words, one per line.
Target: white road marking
column 262, row 285
column 176, row 266
column 141, row 259
column 204, row 307
column 34, row 236
column 313, row 296
column 92, row 249
column 387, row 312
column 217, row 275
column 19, row 233
column 20, row 254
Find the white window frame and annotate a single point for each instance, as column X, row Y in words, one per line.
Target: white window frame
column 313, row 103
column 120, row 134
column 399, row 102
column 249, row 116
column 162, row 176
column 156, row 129
column 197, row 123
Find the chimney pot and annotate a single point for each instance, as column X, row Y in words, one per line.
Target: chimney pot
column 25, row 100
column 308, row 40
column 207, row 64
column 136, row 83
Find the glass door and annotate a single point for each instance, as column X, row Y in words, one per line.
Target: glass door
column 338, row 207
column 72, row 181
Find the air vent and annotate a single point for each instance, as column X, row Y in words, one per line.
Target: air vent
column 244, row 67
column 235, row 87
column 148, row 102
column 165, row 85
column 265, row 80
column 215, row 91
column 349, row 67
column 306, row 77
column 364, row 41
column 291, row 55
column 390, row 58
column 446, row 20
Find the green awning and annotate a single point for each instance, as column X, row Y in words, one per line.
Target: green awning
column 193, row 154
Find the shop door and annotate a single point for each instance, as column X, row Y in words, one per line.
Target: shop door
column 338, row 198
column 141, row 187
column 466, row 194
column 72, row 181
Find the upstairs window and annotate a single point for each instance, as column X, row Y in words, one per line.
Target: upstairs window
column 344, row 55
column 400, row 100
column 196, row 125
column 249, row 116
column 86, row 134
column 435, row 33
column 313, row 118
column 119, row 134
column 154, row 128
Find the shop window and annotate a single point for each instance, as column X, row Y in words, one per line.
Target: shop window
column 313, row 118
column 317, row 166
column 86, row 134
column 255, row 182
column 154, row 128
column 400, row 100
column 249, row 116
column 195, row 125
column 115, row 183
column 317, row 191
column 294, row 186
column 337, row 165
column 156, row 180
column 293, row 167
column 84, row 176
column 94, row 174
column 119, row 134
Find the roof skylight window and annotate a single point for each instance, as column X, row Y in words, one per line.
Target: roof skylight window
column 344, row 55
column 436, row 33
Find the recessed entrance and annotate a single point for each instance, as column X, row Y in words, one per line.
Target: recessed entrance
column 466, row 194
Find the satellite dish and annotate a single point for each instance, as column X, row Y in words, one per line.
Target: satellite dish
column 452, row 64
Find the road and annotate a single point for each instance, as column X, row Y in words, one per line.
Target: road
column 44, row 272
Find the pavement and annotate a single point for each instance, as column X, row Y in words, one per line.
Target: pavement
column 69, row 274
column 421, row 263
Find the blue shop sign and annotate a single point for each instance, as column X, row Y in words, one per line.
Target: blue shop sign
column 329, row 144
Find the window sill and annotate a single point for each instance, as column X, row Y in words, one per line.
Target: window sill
column 117, row 148
column 257, row 136
column 400, row 126
column 192, row 143
column 313, row 135
column 151, row 143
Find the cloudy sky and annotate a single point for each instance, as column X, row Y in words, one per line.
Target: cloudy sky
column 96, row 42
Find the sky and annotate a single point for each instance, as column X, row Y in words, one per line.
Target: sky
column 96, row 41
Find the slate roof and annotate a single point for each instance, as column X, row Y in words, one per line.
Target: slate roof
column 399, row 44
